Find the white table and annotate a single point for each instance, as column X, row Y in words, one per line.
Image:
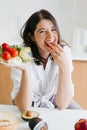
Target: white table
column 57, row 120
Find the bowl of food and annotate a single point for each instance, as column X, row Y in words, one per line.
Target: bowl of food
column 8, row 121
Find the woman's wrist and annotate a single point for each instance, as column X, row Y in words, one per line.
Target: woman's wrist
column 65, row 72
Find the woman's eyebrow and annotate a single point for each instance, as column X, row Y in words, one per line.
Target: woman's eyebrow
column 41, row 29
column 45, row 28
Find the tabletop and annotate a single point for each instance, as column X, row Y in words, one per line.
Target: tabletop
column 56, row 119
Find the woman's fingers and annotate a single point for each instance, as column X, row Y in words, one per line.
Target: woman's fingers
column 56, row 49
column 56, row 46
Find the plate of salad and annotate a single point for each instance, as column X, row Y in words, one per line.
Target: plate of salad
column 13, row 55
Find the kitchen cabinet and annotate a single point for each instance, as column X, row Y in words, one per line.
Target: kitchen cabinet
column 5, row 85
column 79, row 77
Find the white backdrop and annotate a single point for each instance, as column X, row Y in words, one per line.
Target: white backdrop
column 70, row 14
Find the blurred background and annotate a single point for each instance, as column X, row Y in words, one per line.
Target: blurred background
column 71, row 16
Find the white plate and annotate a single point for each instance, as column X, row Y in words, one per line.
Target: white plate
column 17, row 61
column 12, row 65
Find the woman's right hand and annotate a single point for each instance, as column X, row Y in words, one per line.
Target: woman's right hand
column 23, row 67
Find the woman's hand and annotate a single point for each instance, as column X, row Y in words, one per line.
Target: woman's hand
column 59, row 55
column 23, row 66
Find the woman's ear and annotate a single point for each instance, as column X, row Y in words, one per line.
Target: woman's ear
column 31, row 36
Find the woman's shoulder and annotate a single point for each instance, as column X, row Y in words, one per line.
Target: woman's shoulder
column 65, row 45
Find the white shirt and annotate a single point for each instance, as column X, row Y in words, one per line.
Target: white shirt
column 44, row 82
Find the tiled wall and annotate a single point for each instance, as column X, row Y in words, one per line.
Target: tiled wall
column 70, row 14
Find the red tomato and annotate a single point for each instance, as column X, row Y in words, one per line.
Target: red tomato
column 5, row 46
column 13, row 52
column 6, row 55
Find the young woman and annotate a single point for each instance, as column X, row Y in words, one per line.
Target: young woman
column 49, row 84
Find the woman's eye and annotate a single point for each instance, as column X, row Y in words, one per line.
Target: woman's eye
column 42, row 31
column 54, row 29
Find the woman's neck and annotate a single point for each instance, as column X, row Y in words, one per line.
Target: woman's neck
column 45, row 62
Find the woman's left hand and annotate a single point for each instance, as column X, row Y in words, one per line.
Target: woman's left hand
column 59, row 55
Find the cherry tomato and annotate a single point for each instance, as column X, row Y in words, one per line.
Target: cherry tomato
column 13, row 52
column 6, row 55
column 5, row 46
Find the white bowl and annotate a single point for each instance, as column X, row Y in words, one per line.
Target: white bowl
column 8, row 121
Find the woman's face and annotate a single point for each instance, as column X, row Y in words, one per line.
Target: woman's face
column 44, row 34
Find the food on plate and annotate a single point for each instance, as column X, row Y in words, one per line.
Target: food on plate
column 5, row 46
column 27, row 115
column 14, row 55
column 6, row 55
column 81, row 124
column 8, row 121
column 37, row 124
column 8, row 51
column 25, row 54
column 13, row 52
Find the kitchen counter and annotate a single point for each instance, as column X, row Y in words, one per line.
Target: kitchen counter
column 56, row 119
column 79, row 56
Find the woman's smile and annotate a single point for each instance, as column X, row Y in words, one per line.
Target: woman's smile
column 45, row 34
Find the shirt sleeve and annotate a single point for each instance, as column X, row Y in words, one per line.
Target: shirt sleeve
column 16, row 77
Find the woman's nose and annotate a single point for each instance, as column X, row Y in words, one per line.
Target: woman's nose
column 49, row 35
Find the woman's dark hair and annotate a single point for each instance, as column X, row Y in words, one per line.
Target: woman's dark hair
column 29, row 28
